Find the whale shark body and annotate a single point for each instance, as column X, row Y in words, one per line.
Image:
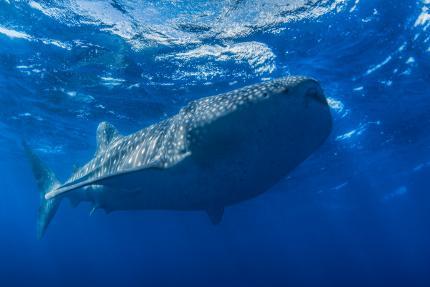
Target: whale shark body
column 215, row 152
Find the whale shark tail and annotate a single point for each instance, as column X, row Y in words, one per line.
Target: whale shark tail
column 46, row 181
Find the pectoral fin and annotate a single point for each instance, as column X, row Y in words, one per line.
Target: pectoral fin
column 215, row 214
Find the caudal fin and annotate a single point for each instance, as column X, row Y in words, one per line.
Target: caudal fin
column 46, row 182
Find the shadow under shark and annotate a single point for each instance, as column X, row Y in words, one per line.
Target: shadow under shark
column 215, row 152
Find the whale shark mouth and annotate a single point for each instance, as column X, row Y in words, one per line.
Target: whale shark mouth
column 316, row 94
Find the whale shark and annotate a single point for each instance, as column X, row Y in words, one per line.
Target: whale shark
column 214, row 152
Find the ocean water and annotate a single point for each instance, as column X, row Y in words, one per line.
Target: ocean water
column 356, row 213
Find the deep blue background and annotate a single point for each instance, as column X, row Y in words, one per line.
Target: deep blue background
column 355, row 214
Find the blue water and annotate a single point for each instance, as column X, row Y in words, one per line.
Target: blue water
column 354, row 214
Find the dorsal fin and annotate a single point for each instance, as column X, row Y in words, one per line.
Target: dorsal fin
column 106, row 133
column 75, row 168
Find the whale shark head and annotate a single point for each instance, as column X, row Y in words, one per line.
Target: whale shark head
column 280, row 118
column 277, row 95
